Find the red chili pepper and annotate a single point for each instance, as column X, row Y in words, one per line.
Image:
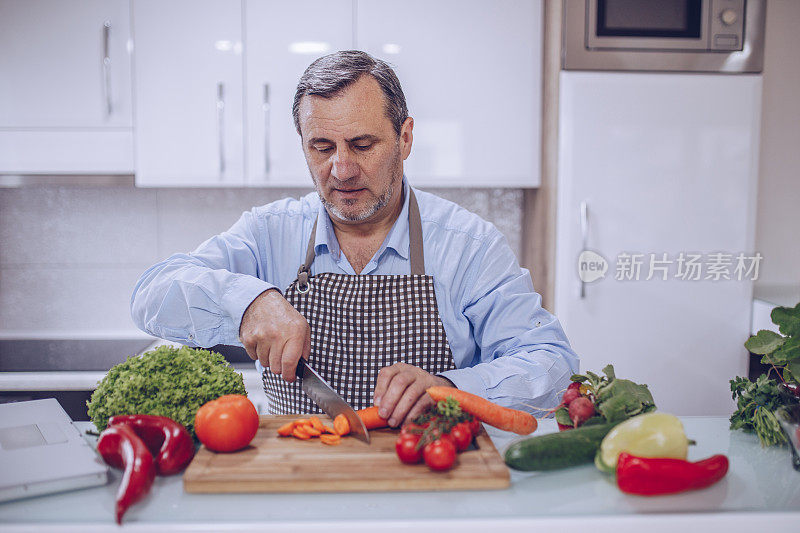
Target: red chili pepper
column 121, row 447
column 169, row 442
column 650, row 476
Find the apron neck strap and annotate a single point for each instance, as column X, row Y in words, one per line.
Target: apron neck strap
column 416, row 254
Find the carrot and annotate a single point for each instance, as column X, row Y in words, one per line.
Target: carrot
column 330, row 439
column 300, row 433
column 316, row 423
column 328, row 429
column 312, row 431
column 519, row 422
column 371, row 419
column 341, row 425
column 302, row 422
column 286, row 429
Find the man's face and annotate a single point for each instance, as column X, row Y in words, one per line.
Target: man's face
column 354, row 155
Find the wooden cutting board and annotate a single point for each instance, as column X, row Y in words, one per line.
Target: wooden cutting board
column 286, row 464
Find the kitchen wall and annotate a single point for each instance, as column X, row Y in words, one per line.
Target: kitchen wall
column 70, row 255
column 778, row 215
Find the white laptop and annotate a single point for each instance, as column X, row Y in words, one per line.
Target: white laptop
column 41, row 451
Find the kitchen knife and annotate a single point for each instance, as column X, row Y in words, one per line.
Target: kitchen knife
column 329, row 400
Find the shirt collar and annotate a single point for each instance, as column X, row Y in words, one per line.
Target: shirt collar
column 398, row 238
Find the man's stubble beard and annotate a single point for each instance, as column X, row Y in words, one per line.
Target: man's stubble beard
column 381, row 202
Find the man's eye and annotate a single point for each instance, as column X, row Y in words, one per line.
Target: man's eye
column 363, row 146
column 324, row 149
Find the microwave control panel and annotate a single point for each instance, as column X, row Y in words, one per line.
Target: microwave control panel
column 726, row 25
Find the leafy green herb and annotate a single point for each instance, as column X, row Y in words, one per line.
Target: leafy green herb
column 615, row 399
column 782, row 353
column 167, row 381
column 756, row 402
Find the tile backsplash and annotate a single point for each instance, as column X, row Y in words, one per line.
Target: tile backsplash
column 70, row 256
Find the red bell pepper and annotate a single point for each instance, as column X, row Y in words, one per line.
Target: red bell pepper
column 122, row 448
column 650, row 476
column 169, row 442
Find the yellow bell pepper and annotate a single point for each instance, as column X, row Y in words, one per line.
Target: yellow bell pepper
column 647, row 435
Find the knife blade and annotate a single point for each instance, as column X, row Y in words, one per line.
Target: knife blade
column 329, row 400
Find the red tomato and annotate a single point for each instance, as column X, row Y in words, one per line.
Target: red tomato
column 440, row 454
column 448, row 437
column 405, row 446
column 474, row 426
column 226, row 424
column 413, row 429
column 462, row 436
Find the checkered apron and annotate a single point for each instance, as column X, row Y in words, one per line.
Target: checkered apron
column 360, row 324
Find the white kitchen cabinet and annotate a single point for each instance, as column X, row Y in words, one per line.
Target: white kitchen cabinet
column 471, row 71
column 188, row 71
column 278, row 49
column 666, row 164
column 65, row 87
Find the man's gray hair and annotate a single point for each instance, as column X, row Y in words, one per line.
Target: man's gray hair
column 329, row 75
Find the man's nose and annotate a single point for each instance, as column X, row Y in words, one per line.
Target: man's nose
column 344, row 167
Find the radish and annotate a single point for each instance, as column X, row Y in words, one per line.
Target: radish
column 580, row 410
column 569, row 396
column 574, row 385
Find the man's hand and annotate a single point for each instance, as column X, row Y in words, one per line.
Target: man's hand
column 400, row 392
column 275, row 333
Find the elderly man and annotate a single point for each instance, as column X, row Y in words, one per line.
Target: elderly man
column 384, row 289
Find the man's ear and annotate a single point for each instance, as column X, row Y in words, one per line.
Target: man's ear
column 406, row 137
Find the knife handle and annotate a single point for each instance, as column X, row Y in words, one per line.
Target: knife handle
column 301, row 364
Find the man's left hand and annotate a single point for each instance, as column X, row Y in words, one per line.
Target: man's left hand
column 400, row 392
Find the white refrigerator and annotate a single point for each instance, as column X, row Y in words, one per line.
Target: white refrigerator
column 657, row 179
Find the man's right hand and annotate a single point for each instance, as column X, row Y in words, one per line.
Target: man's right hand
column 275, row 333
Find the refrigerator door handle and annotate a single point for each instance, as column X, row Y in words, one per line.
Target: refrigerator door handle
column 107, row 67
column 221, row 128
column 266, row 108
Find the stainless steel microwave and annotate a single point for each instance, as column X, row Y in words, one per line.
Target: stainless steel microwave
column 664, row 35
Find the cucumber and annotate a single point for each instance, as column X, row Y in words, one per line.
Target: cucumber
column 557, row 450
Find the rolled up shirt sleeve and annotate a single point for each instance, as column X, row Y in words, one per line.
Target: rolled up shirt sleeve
column 524, row 358
column 198, row 298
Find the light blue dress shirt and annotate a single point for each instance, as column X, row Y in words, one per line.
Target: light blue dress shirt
column 506, row 347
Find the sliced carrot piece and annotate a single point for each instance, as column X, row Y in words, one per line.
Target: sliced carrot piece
column 330, row 439
column 300, row 433
column 302, row 422
column 286, row 429
column 341, row 425
column 316, row 423
column 312, row 431
column 328, row 429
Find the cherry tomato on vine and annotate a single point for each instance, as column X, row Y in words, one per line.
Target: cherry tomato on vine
column 406, row 448
column 440, row 454
column 412, row 428
column 474, row 426
column 461, row 435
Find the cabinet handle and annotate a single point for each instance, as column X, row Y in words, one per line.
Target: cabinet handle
column 221, row 127
column 266, row 107
column 585, row 237
column 107, row 67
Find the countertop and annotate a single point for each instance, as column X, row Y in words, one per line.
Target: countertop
column 760, row 491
